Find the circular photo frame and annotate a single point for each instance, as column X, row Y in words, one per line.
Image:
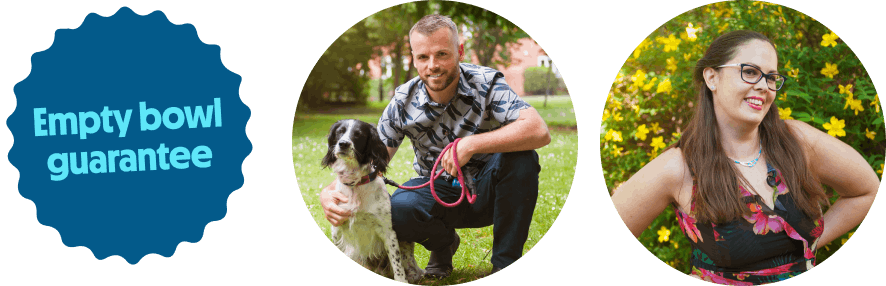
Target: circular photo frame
column 383, row 78
column 709, row 95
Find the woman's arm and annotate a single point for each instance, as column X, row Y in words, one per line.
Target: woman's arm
column 839, row 166
column 648, row 192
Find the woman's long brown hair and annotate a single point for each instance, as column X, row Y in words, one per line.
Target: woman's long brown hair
column 718, row 198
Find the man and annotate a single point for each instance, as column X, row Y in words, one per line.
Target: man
column 499, row 133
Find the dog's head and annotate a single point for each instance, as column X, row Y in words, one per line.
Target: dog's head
column 352, row 139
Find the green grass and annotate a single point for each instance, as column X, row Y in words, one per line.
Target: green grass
column 558, row 161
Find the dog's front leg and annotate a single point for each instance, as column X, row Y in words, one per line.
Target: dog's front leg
column 392, row 245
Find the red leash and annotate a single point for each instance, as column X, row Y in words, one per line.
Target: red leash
column 465, row 193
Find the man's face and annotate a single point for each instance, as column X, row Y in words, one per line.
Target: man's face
column 436, row 58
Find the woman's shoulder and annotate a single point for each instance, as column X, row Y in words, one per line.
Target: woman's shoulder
column 670, row 167
column 807, row 135
column 800, row 129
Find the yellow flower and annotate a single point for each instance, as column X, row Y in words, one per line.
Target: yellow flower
column 649, row 85
column 655, row 128
column 638, row 78
column 663, row 234
column 830, row 70
column 616, row 151
column 664, row 86
column 846, row 90
column 617, row 116
column 645, row 43
column 676, row 134
column 657, row 143
column 724, row 12
column 672, row 64
column 869, row 134
column 722, row 28
column 687, row 56
column 641, row 132
column 799, row 34
column 636, row 108
column 785, row 113
column 829, row 39
column 615, row 104
column 843, row 242
column 676, row 245
column 690, row 32
column 616, row 136
column 671, row 43
column 794, row 72
column 835, row 127
column 652, row 154
column 876, row 102
column 606, row 114
column 856, row 105
column 880, row 171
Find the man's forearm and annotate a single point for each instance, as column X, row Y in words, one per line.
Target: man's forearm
column 527, row 133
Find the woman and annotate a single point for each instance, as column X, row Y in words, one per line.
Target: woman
column 745, row 184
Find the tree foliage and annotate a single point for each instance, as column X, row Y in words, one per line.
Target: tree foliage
column 490, row 33
column 652, row 97
column 538, row 80
column 342, row 73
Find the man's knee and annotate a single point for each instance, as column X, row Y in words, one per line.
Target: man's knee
column 407, row 211
column 523, row 163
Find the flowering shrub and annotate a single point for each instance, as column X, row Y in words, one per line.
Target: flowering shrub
column 652, row 98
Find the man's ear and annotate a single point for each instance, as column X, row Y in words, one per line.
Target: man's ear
column 461, row 52
column 711, row 78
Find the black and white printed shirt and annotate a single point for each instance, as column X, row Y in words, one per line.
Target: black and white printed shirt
column 483, row 102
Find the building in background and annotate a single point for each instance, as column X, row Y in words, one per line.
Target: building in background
column 524, row 54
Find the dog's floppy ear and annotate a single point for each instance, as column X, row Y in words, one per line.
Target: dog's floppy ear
column 331, row 139
column 378, row 152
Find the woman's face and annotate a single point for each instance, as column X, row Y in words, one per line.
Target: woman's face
column 736, row 101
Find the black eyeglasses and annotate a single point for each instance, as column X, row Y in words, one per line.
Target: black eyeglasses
column 751, row 74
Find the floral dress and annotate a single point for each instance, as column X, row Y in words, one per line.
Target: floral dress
column 767, row 246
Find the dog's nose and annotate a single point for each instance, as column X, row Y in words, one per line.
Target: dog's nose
column 344, row 144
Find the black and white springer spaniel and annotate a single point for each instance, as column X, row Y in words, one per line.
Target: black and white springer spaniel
column 357, row 156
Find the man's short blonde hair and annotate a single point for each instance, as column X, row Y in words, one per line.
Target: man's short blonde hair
column 431, row 23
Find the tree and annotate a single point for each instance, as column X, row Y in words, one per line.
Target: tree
column 490, row 33
column 341, row 72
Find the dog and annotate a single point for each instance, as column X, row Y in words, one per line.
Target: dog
column 357, row 157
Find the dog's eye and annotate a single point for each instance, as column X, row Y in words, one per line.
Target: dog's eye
column 340, row 131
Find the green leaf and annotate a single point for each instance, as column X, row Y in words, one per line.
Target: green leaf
column 802, row 116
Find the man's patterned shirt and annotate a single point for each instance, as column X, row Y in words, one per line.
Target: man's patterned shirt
column 483, row 102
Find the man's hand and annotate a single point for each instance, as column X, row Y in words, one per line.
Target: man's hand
column 464, row 155
column 329, row 201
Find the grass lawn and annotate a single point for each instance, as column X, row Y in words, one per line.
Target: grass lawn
column 558, row 161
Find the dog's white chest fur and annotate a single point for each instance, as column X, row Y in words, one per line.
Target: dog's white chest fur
column 368, row 236
column 361, row 235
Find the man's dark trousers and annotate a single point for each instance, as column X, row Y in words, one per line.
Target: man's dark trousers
column 507, row 190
